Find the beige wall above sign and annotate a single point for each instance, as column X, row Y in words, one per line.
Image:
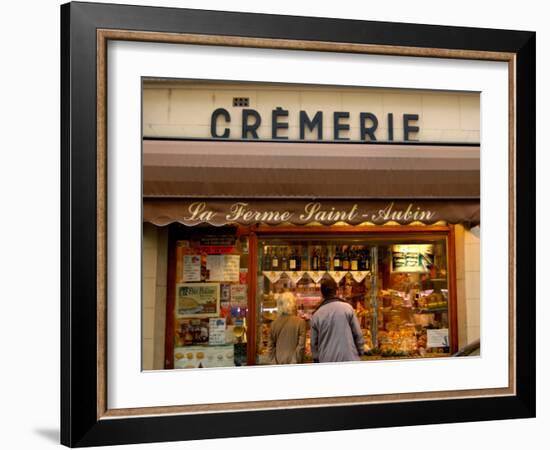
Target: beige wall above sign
column 266, row 111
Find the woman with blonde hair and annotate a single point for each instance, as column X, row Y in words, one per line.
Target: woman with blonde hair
column 287, row 336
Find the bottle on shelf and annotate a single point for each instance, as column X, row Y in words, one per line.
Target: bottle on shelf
column 367, row 259
column 321, row 258
column 292, row 263
column 364, row 260
column 284, row 259
column 267, row 259
column 275, row 260
column 337, row 260
column 345, row 259
column 314, row 260
column 354, row 261
column 325, row 261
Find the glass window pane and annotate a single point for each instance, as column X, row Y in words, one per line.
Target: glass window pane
column 397, row 286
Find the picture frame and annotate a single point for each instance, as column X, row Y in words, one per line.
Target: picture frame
column 86, row 28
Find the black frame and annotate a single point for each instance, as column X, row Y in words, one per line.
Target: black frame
column 79, row 423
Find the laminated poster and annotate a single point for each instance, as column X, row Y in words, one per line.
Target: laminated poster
column 197, row 300
column 214, row 265
column 225, row 293
column 191, row 268
column 216, row 331
column 239, row 295
column 231, row 267
column 223, row 267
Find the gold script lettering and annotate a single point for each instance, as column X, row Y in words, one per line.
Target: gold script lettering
column 236, row 211
column 240, row 212
column 313, row 211
column 389, row 213
column 408, row 215
column 199, row 213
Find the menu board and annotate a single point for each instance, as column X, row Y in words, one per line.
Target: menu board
column 191, row 268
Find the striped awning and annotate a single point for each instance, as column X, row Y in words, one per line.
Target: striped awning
column 284, row 170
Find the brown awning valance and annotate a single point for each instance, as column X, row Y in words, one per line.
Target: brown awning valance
column 300, row 212
column 221, row 169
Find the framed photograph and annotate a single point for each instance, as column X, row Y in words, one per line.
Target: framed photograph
column 259, row 205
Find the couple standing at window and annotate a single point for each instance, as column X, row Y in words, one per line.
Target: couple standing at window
column 335, row 331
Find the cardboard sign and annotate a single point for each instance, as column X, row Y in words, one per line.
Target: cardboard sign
column 438, row 338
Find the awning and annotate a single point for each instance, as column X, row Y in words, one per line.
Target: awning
column 221, row 169
column 301, row 212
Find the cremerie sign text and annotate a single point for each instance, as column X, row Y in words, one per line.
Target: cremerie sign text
column 368, row 125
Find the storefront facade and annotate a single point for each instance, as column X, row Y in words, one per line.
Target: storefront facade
column 251, row 190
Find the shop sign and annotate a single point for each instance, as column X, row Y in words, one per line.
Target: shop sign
column 412, row 258
column 313, row 125
column 300, row 212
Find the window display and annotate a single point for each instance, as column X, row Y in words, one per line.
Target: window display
column 219, row 314
column 211, row 301
column 397, row 286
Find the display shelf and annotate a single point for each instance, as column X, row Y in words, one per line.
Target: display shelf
column 388, row 310
column 410, row 356
column 430, row 310
column 311, row 274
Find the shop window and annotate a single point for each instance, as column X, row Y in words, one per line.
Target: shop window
column 223, row 307
column 210, row 298
column 398, row 288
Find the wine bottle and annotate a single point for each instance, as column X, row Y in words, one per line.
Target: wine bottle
column 345, row 259
column 299, row 258
column 323, row 260
column 275, row 260
column 354, row 264
column 315, row 261
column 284, row 259
column 337, row 260
column 366, row 260
column 267, row 259
column 292, row 260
